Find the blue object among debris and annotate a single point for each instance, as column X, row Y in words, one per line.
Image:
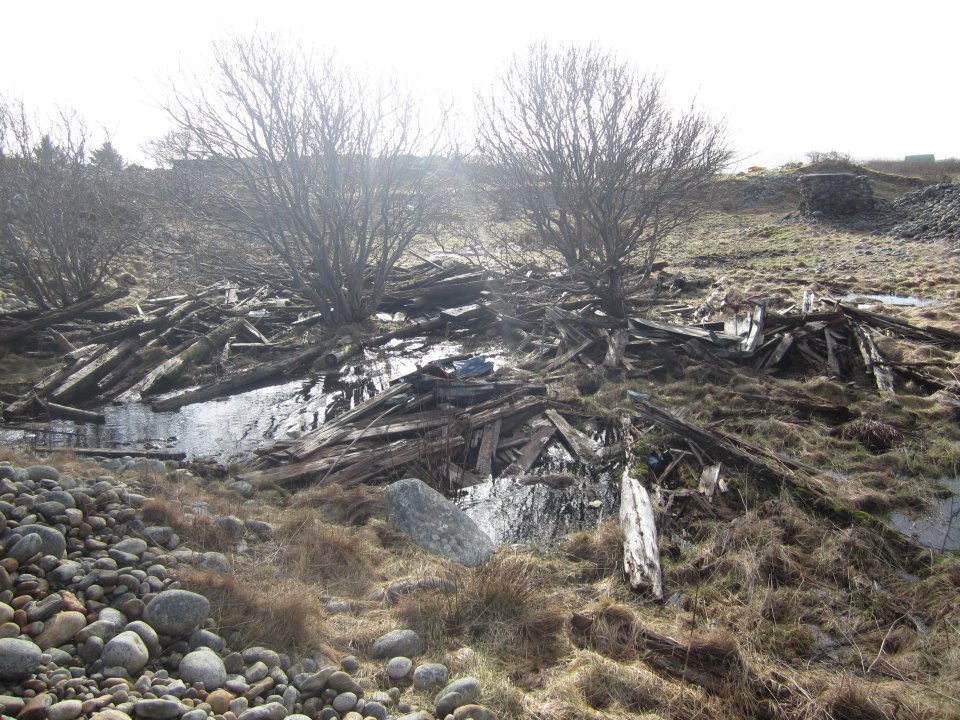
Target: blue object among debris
column 474, row 367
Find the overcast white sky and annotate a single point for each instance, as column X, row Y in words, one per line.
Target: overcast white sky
column 874, row 79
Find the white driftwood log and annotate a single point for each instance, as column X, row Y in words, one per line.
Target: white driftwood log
column 641, row 551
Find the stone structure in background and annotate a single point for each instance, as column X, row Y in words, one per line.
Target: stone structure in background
column 836, row 194
column 920, row 158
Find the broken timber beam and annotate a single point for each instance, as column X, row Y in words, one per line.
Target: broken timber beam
column 578, row 442
column 238, row 382
column 641, row 548
column 531, row 451
column 173, row 367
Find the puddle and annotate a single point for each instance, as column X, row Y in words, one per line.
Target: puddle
column 903, row 300
column 230, row 429
column 940, row 528
column 510, row 512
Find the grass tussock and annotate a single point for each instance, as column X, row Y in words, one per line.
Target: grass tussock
column 341, row 559
column 353, row 506
column 875, row 435
column 502, row 605
column 199, row 532
column 598, row 553
column 284, row 616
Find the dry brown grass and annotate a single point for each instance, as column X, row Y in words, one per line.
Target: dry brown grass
column 504, row 605
column 285, row 616
column 875, row 435
column 341, row 559
column 344, row 506
column 199, row 532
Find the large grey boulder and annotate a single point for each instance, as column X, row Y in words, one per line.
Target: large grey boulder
column 436, row 524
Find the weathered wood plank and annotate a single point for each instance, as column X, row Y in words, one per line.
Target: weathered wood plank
column 173, row 367
column 531, row 451
column 488, row 447
column 578, row 443
column 641, row 549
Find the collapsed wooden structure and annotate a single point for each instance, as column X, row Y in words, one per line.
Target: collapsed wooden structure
column 460, row 431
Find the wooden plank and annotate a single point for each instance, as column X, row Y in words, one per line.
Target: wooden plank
column 118, row 452
column 578, row 443
column 488, row 446
column 774, row 358
column 641, row 549
column 569, row 355
column 239, row 381
column 833, row 356
column 173, row 367
column 87, row 377
column 531, row 451
column 310, row 443
column 616, row 346
column 872, row 358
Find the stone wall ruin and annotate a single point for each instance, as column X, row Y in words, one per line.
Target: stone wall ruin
column 836, row 194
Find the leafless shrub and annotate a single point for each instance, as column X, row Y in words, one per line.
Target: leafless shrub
column 333, row 174
column 587, row 154
column 66, row 214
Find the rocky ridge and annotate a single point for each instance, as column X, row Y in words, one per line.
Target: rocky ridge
column 94, row 624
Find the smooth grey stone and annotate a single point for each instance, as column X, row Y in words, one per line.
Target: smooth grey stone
column 132, row 546
column 198, row 714
column 256, row 672
column 462, row 691
column 398, row 668
column 430, row 676
column 260, row 527
column 64, row 573
column 19, row 659
column 147, row 634
column 375, row 710
column 398, row 643
column 268, row 711
column 436, row 524
column 45, row 608
column 206, row 639
column 340, row 681
column 42, row 472
column 242, row 487
column 203, row 666
column 214, row 561
column 344, row 702
column 126, row 650
column 159, row 709
column 176, row 612
column 53, row 541
column 25, row 548
column 268, row 657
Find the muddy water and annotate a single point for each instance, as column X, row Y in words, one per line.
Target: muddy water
column 938, row 529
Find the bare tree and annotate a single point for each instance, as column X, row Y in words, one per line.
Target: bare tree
column 330, row 172
column 588, row 155
column 63, row 221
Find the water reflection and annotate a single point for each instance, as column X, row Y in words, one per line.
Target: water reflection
column 230, row 429
column 509, row 511
column 940, row 528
